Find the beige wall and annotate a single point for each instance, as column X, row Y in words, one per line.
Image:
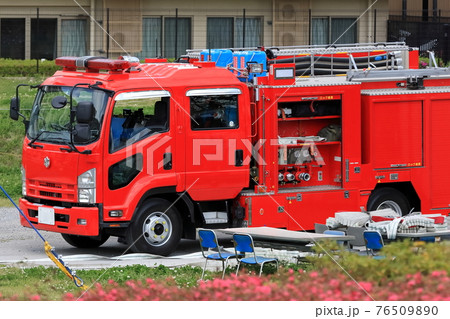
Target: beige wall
column 283, row 20
column 200, row 10
column 364, row 11
column 299, row 23
column 65, row 9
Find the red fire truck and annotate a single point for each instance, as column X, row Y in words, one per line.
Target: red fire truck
column 283, row 138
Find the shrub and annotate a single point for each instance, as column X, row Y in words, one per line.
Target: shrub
column 14, row 68
column 402, row 257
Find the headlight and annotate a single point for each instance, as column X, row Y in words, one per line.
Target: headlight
column 24, row 181
column 86, row 187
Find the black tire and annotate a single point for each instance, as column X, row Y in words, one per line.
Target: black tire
column 85, row 241
column 389, row 197
column 156, row 228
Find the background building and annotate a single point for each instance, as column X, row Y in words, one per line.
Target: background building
column 421, row 23
column 149, row 28
column 425, row 9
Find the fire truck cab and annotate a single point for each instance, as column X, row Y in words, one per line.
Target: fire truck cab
column 118, row 152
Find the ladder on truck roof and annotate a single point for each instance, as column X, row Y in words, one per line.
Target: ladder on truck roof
column 414, row 76
column 338, row 48
column 337, row 59
column 341, row 58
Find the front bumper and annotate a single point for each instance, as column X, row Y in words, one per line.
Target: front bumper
column 66, row 220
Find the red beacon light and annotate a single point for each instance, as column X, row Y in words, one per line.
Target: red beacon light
column 96, row 63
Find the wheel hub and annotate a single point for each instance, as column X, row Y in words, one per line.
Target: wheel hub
column 157, row 229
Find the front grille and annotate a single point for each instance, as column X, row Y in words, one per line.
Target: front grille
column 52, row 191
column 49, row 194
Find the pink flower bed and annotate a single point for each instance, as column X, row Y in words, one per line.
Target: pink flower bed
column 286, row 285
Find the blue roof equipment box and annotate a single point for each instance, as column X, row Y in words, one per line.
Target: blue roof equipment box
column 222, row 57
column 241, row 59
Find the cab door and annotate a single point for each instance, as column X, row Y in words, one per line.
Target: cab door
column 217, row 145
column 140, row 152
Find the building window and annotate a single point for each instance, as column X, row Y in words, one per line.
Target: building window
column 12, row 38
column 165, row 37
column 328, row 30
column 219, row 33
column 177, row 36
column 234, row 32
column 73, row 37
column 43, row 38
column 248, row 34
column 151, row 38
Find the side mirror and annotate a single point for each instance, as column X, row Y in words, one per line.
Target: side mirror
column 58, row 102
column 14, row 108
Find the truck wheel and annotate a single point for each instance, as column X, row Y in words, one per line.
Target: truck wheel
column 389, row 197
column 85, row 241
column 156, row 228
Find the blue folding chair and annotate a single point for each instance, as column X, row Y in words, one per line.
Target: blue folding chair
column 428, row 239
column 208, row 240
column 374, row 242
column 243, row 243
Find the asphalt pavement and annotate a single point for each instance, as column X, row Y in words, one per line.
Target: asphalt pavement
column 21, row 246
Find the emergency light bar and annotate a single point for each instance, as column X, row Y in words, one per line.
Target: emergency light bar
column 94, row 63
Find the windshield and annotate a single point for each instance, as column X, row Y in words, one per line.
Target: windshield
column 49, row 124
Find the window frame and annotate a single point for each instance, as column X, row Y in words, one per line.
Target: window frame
column 330, row 19
column 138, row 95
column 147, row 44
column 235, row 27
column 205, row 92
column 83, row 28
column 165, row 27
column 18, row 40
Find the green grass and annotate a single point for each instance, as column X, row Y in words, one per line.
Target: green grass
column 50, row 283
column 4, row 202
column 12, row 132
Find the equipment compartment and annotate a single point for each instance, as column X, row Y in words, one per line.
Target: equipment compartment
column 309, row 139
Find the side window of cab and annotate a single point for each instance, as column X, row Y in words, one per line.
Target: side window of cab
column 213, row 109
column 137, row 115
